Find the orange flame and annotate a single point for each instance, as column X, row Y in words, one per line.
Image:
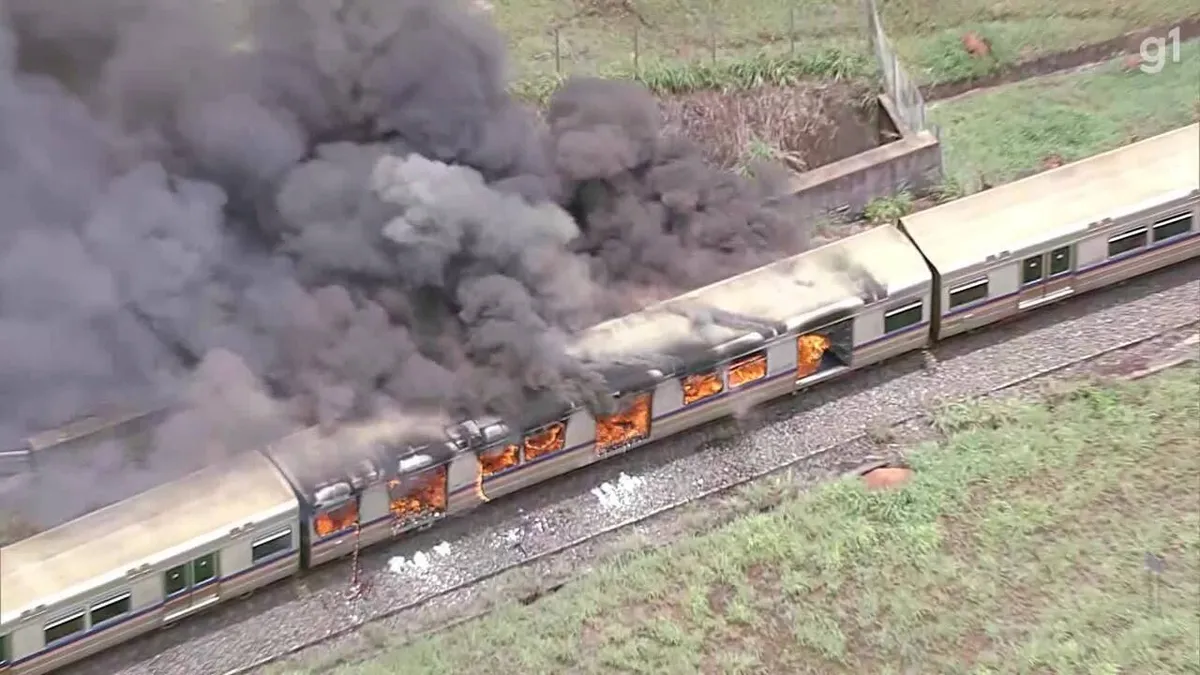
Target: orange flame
column 417, row 496
column 701, row 386
column 551, row 439
column 492, row 462
column 336, row 520
column 747, row 369
column 623, row 427
column 809, row 350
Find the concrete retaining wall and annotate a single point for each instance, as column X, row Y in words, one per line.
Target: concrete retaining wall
column 911, row 162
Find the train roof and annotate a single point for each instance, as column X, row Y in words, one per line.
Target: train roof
column 99, row 548
column 817, row 285
column 1059, row 202
column 365, row 451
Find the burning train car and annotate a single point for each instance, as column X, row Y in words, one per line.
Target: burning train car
column 109, row 576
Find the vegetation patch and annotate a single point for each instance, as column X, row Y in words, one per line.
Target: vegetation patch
column 1020, row 545
column 996, row 136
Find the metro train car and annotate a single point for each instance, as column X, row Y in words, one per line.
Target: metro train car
column 311, row 498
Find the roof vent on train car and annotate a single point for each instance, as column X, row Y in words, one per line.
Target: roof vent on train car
column 494, row 433
column 414, row 462
column 332, row 494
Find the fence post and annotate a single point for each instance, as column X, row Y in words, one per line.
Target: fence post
column 792, row 31
column 636, row 68
column 557, row 52
column 712, row 31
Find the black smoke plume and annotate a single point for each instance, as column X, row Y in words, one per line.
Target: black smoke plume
column 337, row 201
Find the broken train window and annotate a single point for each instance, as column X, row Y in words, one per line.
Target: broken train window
column 499, row 459
column 825, row 348
column 418, row 495
column 546, row 441
column 625, row 427
column 700, row 386
column 339, row 518
column 749, row 368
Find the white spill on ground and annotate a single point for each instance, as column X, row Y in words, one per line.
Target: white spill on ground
column 420, row 562
column 621, row 495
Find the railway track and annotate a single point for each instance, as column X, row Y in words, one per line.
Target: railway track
column 826, row 431
column 1189, row 328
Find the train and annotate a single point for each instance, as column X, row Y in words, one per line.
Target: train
column 310, row 498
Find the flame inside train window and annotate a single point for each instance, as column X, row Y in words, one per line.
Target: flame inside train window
column 701, row 386
column 545, row 442
column 416, row 496
column 1172, row 227
column 748, row 369
column 341, row 517
column 498, row 460
column 810, row 349
column 631, row 424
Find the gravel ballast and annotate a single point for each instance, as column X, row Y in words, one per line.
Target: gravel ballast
column 552, row 514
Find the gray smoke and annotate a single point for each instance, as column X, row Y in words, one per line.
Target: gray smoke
column 344, row 213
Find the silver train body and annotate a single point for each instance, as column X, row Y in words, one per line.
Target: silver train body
column 308, row 499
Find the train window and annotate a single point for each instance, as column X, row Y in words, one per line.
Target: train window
column 968, row 293
column 749, row 368
column 175, row 580
column 4, row 655
column 902, row 317
column 1060, row 260
column 110, row 609
column 1172, row 227
column 204, row 569
column 1032, row 270
column 64, row 628
column 269, row 546
column 1124, row 243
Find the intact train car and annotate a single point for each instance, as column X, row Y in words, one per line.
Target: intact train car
column 1082, row 226
column 150, row 560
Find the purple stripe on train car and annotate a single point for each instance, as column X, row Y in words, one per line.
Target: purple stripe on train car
column 1118, row 260
column 687, row 409
column 285, row 556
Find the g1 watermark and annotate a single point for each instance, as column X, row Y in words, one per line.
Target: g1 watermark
column 1154, row 52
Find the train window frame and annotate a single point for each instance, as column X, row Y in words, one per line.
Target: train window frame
column 1033, row 263
column 900, row 311
column 185, row 573
column 5, row 656
column 214, row 569
column 67, row 621
column 1173, row 220
column 981, row 283
column 743, row 359
column 1139, row 236
column 123, row 603
column 1065, row 270
column 266, row 542
column 541, row 430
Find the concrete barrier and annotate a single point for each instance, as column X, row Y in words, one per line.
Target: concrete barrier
column 913, row 161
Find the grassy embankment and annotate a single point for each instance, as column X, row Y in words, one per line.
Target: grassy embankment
column 1019, row 547
column 754, row 41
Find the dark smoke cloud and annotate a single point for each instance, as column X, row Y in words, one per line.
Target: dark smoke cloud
column 343, row 214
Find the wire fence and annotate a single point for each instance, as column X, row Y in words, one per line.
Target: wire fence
column 902, row 89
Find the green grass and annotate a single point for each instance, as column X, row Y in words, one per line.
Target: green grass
column 601, row 36
column 1018, row 548
column 1001, row 134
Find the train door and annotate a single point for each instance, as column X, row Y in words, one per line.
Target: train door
column 1046, row 277
column 191, row 586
